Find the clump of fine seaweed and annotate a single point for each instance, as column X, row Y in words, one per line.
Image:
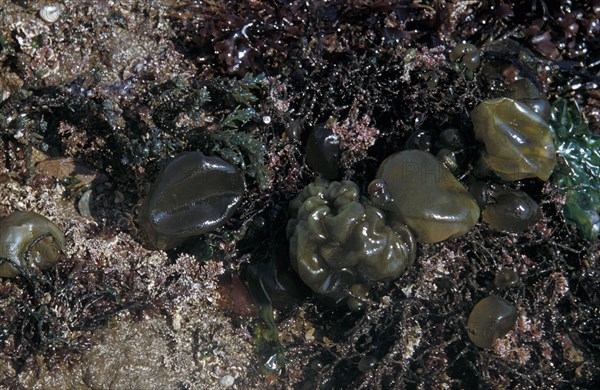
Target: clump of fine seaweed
column 218, row 117
column 578, row 170
column 233, row 145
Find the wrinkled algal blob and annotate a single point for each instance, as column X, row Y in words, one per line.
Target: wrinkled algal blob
column 420, row 192
column 323, row 152
column 193, row 194
column 490, row 319
column 29, row 238
column 518, row 141
column 513, row 211
column 340, row 243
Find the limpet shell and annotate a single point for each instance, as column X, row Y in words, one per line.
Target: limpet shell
column 50, row 13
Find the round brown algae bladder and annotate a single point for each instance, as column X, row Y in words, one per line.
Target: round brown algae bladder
column 513, row 211
column 518, row 141
column 340, row 243
column 506, row 278
column 490, row 319
column 420, row 192
column 193, row 194
column 26, row 236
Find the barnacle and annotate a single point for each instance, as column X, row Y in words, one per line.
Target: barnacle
column 339, row 242
column 422, row 193
column 518, row 141
column 28, row 238
column 50, row 13
column 193, row 194
column 490, row 319
column 513, row 211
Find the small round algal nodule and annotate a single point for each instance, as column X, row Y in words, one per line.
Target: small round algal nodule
column 192, row 195
column 451, row 138
column 323, row 152
column 467, row 54
column 367, row 363
column 355, row 304
column 421, row 140
column 513, row 211
column 490, row 319
column 28, row 238
column 483, row 192
column 526, row 92
column 506, row 277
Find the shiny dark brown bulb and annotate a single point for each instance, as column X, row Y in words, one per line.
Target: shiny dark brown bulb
column 192, row 195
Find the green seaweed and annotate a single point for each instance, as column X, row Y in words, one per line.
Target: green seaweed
column 239, row 116
column 240, row 148
column 221, row 118
column 242, row 91
column 578, row 170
